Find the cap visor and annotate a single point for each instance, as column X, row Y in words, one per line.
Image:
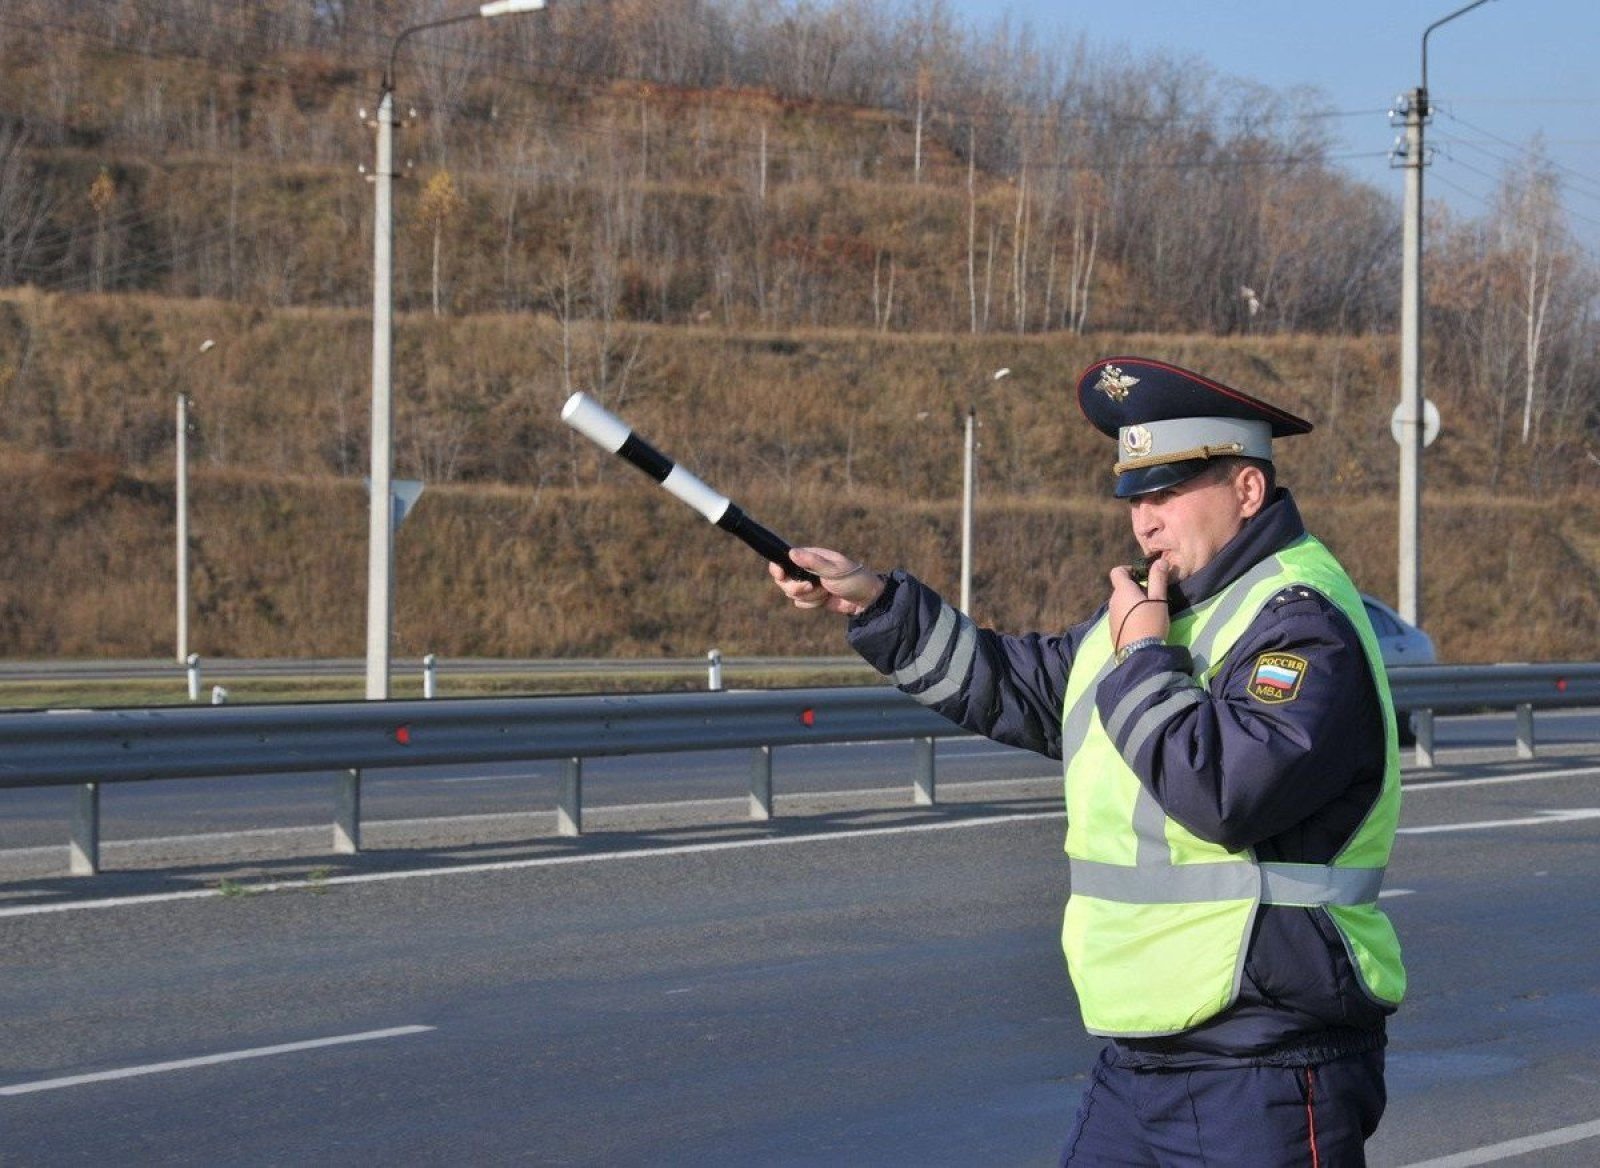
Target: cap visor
column 1145, row 479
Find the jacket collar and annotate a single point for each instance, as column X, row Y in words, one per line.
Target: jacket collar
column 1274, row 528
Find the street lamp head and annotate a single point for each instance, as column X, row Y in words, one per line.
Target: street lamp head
column 487, row 11
column 507, row 7
column 1462, row 11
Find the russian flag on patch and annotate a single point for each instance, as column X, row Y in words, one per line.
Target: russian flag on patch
column 1277, row 677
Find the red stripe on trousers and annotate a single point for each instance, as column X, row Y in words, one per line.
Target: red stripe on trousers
column 1311, row 1114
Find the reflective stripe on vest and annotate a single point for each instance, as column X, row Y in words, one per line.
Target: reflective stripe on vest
column 1305, row 885
column 1157, row 924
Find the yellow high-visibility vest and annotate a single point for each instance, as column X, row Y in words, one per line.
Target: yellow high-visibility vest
column 1158, row 920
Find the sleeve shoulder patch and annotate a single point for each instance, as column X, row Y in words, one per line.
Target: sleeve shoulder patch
column 1276, row 678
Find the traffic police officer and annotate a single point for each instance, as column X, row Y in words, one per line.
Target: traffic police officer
column 1232, row 787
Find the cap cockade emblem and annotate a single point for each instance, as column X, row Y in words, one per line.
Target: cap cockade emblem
column 1136, row 442
column 1114, row 383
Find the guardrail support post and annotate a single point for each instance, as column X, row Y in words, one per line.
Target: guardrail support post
column 192, row 667
column 347, row 814
column 761, row 783
column 714, row 670
column 922, row 782
column 1525, row 731
column 569, row 809
column 83, row 850
column 1424, row 728
column 430, row 676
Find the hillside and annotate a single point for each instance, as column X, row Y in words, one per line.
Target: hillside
column 544, row 547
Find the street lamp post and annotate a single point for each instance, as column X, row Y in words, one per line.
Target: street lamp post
column 380, row 528
column 1410, row 420
column 182, row 478
column 969, row 472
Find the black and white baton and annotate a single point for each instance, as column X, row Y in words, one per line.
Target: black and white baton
column 609, row 432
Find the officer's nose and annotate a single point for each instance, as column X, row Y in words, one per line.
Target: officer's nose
column 1146, row 519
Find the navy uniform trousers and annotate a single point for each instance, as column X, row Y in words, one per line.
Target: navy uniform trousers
column 1238, row 1117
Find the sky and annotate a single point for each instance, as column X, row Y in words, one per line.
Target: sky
column 1499, row 76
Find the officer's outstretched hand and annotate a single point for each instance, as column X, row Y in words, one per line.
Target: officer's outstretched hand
column 1135, row 612
column 845, row 586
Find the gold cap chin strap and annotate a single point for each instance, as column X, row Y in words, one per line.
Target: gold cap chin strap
column 1222, row 450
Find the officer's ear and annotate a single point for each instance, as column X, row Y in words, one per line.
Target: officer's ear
column 1250, row 489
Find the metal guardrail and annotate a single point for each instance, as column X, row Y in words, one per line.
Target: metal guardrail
column 1426, row 690
column 1457, row 688
column 86, row 748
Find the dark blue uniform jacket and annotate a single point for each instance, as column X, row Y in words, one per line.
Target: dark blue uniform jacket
column 1291, row 780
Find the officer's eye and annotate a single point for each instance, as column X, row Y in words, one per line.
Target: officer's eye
column 1155, row 498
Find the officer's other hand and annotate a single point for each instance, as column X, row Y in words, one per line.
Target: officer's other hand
column 1136, row 612
column 844, row 586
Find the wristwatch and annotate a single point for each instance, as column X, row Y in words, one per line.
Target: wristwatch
column 1133, row 647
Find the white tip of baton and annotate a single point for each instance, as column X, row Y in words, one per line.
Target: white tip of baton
column 596, row 423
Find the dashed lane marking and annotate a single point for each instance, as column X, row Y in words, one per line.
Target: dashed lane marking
column 209, row 1060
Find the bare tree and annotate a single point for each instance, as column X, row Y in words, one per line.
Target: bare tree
column 1531, row 230
column 25, row 206
column 102, row 197
column 440, row 203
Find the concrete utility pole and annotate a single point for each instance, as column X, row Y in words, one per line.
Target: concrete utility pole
column 969, row 484
column 1410, row 419
column 380, row 526
column 1416, row 113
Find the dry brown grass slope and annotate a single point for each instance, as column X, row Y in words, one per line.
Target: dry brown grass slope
column 529, row 543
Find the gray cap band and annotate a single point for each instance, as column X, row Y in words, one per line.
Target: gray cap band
column 1180, row 439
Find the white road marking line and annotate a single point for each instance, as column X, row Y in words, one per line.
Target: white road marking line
column 522, row 778
column 209, row 1060
column 1542, row 818
column 1520, row 1147
column 519, row 865
column 1422, row 787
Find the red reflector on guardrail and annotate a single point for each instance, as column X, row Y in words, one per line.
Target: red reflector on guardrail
column 808, row 717
column 402, row 735
column 1561, row 685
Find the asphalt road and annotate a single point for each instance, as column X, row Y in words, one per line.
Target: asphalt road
column 872, row 987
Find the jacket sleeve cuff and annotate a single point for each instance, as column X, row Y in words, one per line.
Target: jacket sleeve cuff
column 1145, row 692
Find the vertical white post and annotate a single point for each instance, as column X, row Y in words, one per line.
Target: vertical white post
column 1424, row 728
column 83, row 848
column 923, row 790
column 347, row 814
column 714, row 670
column 183, row 526
column 193, row 670
column 761, row 783
column 430, row 677
column 380, row 526
column 1525, row 744
column 968, row 475
column 569, row 807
